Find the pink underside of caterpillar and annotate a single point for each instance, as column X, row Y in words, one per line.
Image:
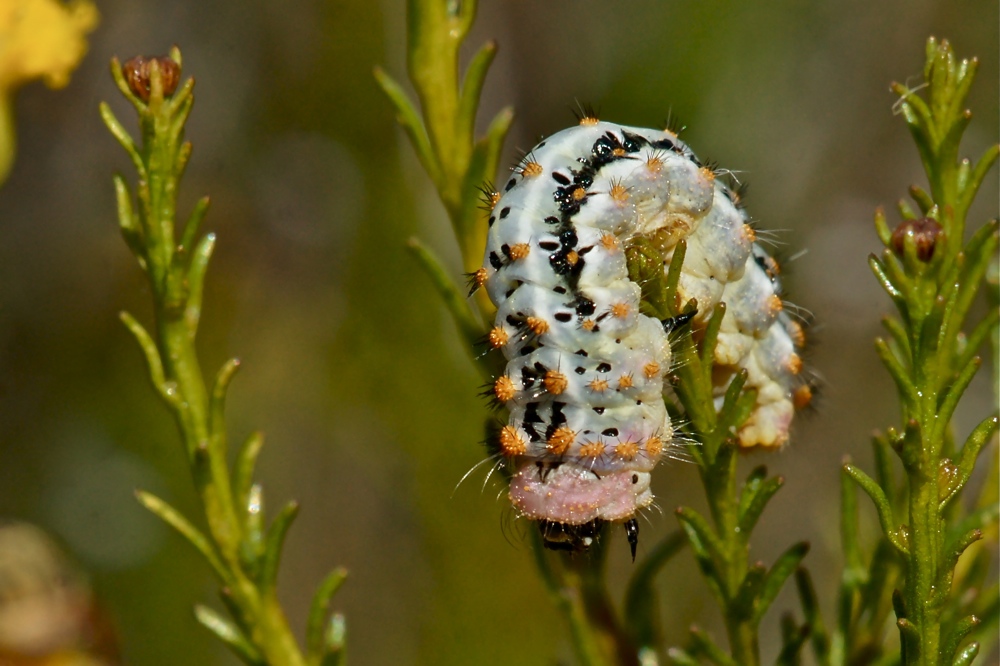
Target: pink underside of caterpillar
column 575, row 495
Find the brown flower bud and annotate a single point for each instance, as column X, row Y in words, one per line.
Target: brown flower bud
column 137, row 72
column 925, row 234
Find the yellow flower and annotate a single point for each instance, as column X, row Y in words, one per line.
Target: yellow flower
column 38, row 39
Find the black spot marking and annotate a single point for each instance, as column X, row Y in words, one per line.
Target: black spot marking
column 635, row 478
column 582, row 352
column 560, row 178
column 531, row 413
column 495, row 261
column 528, row 377
column 559, row 290
column 563, row 316
column 610, row 432
column 598, row 410
column 580, row 371
column 666, row 144
column 549, row 246
column 604, row 367
column 551, row 219
column 504, row 212
column 510, row 185
column 557, row 418
column 584, row 306
column 632, row 142
column 568, row 237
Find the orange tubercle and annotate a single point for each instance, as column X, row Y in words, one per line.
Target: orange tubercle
column 592, row 449
column 491, row 198
column 537, row 325
column 609, row 242
column 651, row 369
column 627, row 450
column 618, row 193
column 620, row 310
column 511, row 443
column 498, row 337
column 773, row 267
column 579, row 194
column 504, row 389
column 598, row 385
column 794, row 364
column 555, row 382
column 654, row 447
column 802, row 397
column 519, row 251
column 479, row 277
column 796, row 333
column 774, row 304
column 625, row 382
column 561, row 440
column 531, row 169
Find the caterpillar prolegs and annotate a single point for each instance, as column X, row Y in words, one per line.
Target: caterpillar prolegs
column 584, row 378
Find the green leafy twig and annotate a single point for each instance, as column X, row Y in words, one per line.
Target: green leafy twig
column 743, row 590
column 932, row 276
column 242, row 551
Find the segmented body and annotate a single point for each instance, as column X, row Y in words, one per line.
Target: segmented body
column 584, row 377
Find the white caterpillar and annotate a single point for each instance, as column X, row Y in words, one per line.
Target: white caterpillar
column 584, row 378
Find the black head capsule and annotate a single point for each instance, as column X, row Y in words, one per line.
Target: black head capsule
column 632, row 532
column 572, row 538
column 673, row 323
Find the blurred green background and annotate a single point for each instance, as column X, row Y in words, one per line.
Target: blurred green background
column 351, row 365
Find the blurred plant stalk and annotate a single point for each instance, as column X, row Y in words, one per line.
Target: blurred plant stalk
column 241, row 550
column 932, row 279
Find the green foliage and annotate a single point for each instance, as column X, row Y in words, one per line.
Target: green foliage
column 243, row 552
column 932, row 276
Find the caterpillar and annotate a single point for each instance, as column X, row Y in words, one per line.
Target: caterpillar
column 584, row 378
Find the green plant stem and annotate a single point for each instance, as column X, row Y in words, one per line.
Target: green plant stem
column 261, row 612
column 933, row 292
column 601, row 614
column 722, row 553
column 720, row 489
column 577, row 590
column 243, row 557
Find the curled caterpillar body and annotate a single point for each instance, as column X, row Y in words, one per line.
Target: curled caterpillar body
column 584, row 377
